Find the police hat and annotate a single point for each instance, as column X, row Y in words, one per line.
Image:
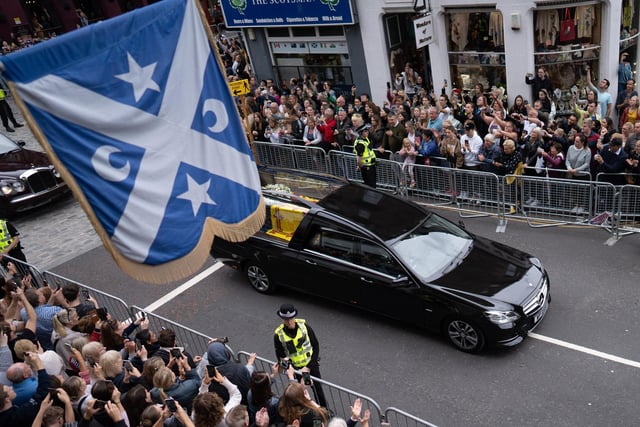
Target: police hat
column 287, row 311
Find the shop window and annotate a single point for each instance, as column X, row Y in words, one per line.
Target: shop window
column 629, row 34
column 303, row 31
column 278, row 32
column 475, row 41
column 567, row 41
column 330, row 31
column 401, row 48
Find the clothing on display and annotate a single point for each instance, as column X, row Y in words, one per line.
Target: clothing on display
column 547, row 27
column 584, row 18
column 496, row 29
column 459, row 30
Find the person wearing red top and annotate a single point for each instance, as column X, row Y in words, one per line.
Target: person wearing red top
column 326, row 125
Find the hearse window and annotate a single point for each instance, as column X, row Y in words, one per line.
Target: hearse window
column 379, row 259
column 333, row 244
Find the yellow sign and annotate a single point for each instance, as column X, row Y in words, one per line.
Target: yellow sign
column 240, row 87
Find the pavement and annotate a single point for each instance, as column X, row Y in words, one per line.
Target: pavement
column 56, row 233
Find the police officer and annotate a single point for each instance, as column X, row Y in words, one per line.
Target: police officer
column 6, row 114
column 295, row 341
column 10, row 245
column 366, row 157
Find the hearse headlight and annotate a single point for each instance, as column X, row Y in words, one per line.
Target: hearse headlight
column 501, row 317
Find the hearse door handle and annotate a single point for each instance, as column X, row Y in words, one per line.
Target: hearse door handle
column 364, row 279
column 308, row 261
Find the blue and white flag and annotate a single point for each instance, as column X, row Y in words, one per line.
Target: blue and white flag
column 136, row 113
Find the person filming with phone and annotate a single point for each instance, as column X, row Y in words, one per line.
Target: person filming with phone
column 296, row 343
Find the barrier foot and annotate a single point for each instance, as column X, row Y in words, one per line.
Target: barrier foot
column 612, row 240
column 502, row 226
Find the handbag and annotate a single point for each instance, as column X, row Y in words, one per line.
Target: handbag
column 567, row 27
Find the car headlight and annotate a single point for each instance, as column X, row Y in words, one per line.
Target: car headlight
column 9, row 188
column 18, row 186
column 55, row 172
column 501, row 317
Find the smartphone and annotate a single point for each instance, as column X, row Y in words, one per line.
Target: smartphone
column 317, row 422
column 306, row 378
column 175, row 352
column 138, row 345
column 91, row 362
column 211, row 371
column 171, row 404
column 53, row 392
column 127, row 365
column 284, row 364
column 68, row 345
column 99, row 404
column 84, row 293
column 102, row 313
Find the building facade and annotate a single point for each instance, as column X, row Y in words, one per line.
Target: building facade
column 492, row 42
column 367, row 43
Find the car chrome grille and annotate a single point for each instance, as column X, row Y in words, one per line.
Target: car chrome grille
column 537, row 301
column 41, row 180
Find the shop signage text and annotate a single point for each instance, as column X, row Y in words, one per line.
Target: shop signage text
column 423, row 28
column 286, row 13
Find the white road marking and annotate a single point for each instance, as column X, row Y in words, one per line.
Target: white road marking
column 218, row 265
column 184, row 287
column 586, row 350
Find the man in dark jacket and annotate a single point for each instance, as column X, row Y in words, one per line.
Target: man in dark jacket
column 23, row 415
column 238, row 374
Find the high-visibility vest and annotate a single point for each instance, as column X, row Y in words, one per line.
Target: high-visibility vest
column 368, row 155
column 2, row 94
column 5, row 237
column 297, row 348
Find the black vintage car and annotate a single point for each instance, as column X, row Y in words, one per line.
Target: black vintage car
column 390, row 256
column 27, row 178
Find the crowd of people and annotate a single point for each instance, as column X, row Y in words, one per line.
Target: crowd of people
column 476, row 131
column 65, row 361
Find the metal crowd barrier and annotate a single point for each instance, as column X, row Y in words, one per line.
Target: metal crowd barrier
column 115, row 306
column 540, row 200
column 23, row 269
column 398, row 418
column 194, row 342
column 339, row 399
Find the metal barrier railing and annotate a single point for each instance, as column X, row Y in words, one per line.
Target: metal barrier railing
column 539, row 199
column 339, row 399
column 194, row 342
column 22, row 269
column 115, row 306
column 398, row 418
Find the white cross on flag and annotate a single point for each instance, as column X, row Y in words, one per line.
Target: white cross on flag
column 137, row 115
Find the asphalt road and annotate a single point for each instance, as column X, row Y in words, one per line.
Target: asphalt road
column 595, row 305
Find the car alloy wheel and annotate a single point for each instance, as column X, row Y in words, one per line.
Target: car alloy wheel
column 259, row 279
column 465, row 336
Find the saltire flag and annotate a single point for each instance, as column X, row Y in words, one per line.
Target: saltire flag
column 137, row 115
